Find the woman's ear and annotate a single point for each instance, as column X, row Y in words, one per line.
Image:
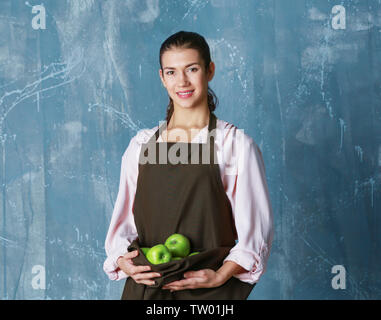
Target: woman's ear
column 211, row 70
column 162, row 78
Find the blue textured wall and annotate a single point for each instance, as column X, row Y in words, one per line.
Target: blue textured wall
column 303, row 83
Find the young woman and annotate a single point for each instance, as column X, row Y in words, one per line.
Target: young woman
column 213, row 203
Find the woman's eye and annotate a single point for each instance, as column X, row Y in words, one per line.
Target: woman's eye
column 171, row 72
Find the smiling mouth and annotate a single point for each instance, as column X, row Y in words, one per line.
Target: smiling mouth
column 185, row 94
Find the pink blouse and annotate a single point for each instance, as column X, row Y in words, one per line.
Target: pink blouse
column 243, row 175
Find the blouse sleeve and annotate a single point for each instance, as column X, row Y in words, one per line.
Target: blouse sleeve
column 122, row 229
column 252, row 214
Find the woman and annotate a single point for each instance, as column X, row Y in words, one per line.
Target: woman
column 213, row 203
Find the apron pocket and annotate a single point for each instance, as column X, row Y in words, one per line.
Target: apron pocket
column 174, row 270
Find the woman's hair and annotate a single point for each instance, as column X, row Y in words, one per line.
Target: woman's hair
column 189, row 40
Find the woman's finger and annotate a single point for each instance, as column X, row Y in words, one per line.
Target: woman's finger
column 181, row 283
column 147, row 275
column 177, row 288
column 146, row 282
column 139, row 269
column 132, row 254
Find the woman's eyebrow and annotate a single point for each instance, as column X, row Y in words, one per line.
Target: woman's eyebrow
column 190, row 64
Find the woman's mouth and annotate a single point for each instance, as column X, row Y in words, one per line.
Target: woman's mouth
column 185, row 94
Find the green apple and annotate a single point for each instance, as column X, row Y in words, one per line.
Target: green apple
column 193, row 253
column 178, row 245
column 176, row 258
column 145, row 250
column 159, row 254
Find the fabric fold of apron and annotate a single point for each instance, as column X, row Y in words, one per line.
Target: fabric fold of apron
column 179, row 190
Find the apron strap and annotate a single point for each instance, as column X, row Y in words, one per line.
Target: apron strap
column 211, row 136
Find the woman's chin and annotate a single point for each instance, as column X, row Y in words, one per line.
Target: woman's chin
column 188, row 104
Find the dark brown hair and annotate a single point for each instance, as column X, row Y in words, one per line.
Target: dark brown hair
column 189, row 40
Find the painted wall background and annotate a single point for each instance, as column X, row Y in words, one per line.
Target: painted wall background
column 305, row 85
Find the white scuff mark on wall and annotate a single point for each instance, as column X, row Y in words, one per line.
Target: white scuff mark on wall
column 194, row 6
column 312, row 56
column 364, row 185
column 305, row 135
column 114, row 113
column 78, row 7
column 144, row 11
column 220, row 48
column 58, row 74
column 342, row 130
column 111, row 46
column 279, row 99
column 8, row 241
column 372, row 182
column 71, row 141
column 316, row 15
column 151, row 13
column 222, row 3
column 359, row 151
column 364, row 21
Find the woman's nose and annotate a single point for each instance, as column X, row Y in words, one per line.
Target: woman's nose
column 183, row 79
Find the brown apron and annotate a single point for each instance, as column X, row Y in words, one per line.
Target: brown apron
column 189, row 199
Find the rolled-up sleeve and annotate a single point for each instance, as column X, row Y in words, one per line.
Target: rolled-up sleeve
column 122, row 229
column 252, row 213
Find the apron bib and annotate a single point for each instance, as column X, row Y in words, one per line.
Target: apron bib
column 189, row 199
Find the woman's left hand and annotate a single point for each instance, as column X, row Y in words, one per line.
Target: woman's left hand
column 205, row 278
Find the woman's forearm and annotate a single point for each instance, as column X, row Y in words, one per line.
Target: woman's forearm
column 228, row 269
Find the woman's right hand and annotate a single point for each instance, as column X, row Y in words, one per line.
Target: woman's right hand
column 138, row 273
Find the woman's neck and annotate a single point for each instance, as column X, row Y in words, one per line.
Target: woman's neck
column 185, row 124
column 189, row 118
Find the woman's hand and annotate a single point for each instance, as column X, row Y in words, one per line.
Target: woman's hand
column 205, row 278
column 138, row 273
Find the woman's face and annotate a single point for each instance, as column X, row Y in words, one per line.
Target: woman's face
column 185, row 78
